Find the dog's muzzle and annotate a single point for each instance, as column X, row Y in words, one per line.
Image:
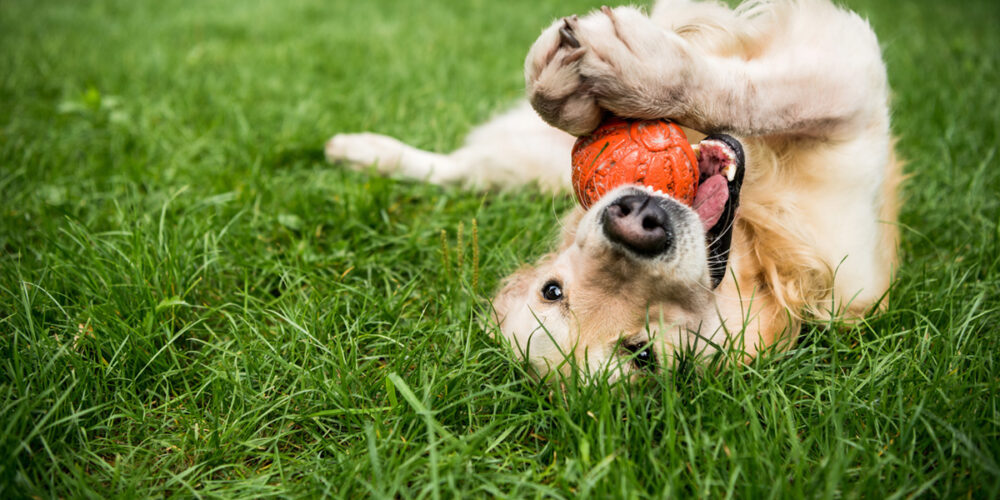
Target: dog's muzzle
column 639, row 223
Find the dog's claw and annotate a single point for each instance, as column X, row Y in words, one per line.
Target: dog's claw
column 566, row 34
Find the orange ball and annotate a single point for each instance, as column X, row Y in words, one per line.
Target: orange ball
column 654, row 153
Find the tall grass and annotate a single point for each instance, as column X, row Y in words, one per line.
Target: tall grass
column 192, row 302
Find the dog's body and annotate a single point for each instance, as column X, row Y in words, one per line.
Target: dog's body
column 801, row 84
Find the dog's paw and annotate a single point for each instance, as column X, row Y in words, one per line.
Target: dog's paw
column 365, row 150
column 555, row 87
column 614, row 59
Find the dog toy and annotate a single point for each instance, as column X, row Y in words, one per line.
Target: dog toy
column 656, row 154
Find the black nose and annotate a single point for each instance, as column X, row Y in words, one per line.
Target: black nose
column 640, row 223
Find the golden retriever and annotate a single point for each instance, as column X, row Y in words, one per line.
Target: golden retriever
column 808, row 228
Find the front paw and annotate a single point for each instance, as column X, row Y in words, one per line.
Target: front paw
column 616, row 60
column 364, row 150
column 555, row 87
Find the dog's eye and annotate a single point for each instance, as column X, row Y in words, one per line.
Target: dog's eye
column 551, row 291
column 644, row 357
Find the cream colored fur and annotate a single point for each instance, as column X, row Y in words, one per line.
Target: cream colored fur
column 801, row 83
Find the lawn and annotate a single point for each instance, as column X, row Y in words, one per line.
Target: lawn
column 193, row 302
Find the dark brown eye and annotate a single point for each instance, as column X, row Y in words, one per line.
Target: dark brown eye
column 552, row 291
column 644, row 358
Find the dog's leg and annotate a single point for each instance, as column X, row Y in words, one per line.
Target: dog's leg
column 387, row 155
column 512, row 149
column 810, row 69
column 783, row 71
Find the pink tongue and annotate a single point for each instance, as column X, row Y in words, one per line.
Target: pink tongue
column 711, row 199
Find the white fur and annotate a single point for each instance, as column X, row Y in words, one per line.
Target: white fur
column 514, row 148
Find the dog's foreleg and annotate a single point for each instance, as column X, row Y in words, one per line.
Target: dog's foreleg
column 512, row 149
column 817, row 72
column 809, row 69
column 388, row 156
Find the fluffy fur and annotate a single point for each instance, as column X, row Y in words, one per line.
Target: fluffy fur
column 801, row 83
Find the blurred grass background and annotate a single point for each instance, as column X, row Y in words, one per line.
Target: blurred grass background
column 192, row 302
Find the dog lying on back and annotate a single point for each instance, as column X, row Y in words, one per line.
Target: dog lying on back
column 800, row 85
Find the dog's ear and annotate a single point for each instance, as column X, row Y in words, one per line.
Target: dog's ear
column 719, row 237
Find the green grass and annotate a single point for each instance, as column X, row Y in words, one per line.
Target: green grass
column 193, row 303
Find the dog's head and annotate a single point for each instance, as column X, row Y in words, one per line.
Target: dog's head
column 633, row 276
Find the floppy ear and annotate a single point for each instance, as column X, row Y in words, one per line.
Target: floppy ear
column 720, row 236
